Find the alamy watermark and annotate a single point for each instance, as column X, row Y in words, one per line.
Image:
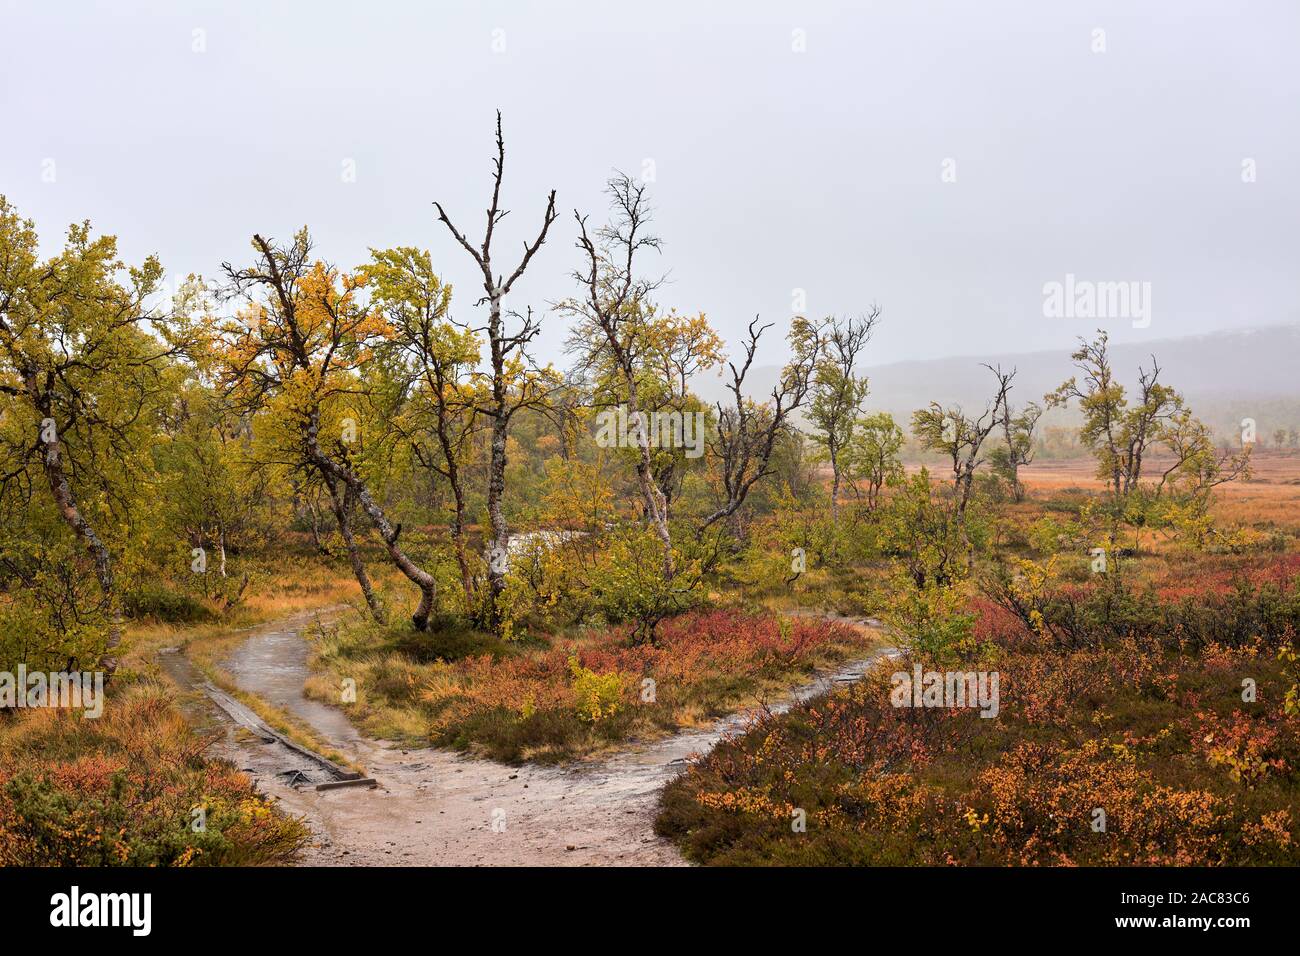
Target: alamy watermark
column 75, row 908
column 946, row 689
column 616, row 428
column 1084, row 299
column 76, row 690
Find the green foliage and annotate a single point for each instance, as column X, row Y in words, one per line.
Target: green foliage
column 931, row 621
column 86, row 363
column 630, row 585
column 837, row 400
column 596, row 696
column 152, row 600
column 546, row 589
column 872, row 455
column 920, row 532
column 1051, row 535
column 54, row 612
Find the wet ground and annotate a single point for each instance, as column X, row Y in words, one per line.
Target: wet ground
column 238, row 731
column 433, row 807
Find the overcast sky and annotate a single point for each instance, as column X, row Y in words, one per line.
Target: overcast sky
column 781, row 160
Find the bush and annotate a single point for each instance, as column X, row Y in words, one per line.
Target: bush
column 47, row 637
column 1186, row 773
column 930, row 620
column 160, row 603
column 631, row 586
column 52, row 611
column 596, row 696
column 1109, row 611
column 535, row 704
column 127, row 790
column 545, row 590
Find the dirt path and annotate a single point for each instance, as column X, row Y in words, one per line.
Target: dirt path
column 434, row 807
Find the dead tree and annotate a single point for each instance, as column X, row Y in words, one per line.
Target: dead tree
column 506, row 349
column 747, row 431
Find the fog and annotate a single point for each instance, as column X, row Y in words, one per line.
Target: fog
column 945, row 160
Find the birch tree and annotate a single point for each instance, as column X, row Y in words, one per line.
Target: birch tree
column 615, row 307
column 83, row 373
column 839, row 391
column 294, row 354
column 514, row 382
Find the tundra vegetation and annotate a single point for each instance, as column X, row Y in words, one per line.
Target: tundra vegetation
column 295, row 433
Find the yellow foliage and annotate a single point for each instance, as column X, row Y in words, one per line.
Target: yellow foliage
column 597, row 695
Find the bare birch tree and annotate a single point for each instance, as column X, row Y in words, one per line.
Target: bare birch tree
column 507, row 353
column 615, row 305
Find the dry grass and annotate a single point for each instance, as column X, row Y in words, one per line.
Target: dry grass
column 289, row 583
column 1270, row 499
column 122, row 790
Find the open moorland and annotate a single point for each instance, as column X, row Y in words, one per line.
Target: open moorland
column 337, row 573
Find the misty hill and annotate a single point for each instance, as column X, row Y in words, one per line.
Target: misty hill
column 1225, row 376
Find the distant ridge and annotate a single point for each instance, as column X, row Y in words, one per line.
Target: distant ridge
column 1224, row 376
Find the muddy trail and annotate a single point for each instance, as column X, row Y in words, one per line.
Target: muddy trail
column 438, row 808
